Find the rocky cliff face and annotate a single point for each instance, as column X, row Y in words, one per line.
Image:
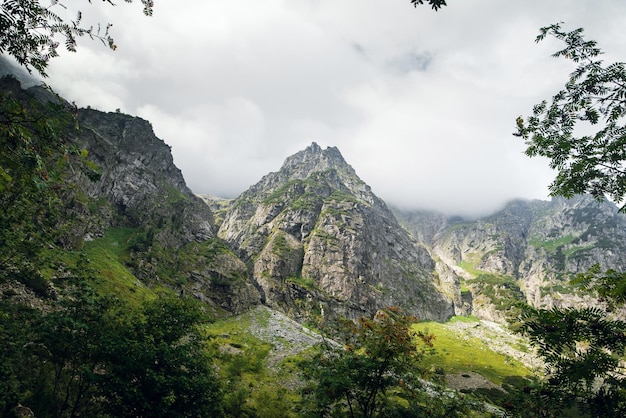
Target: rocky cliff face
column 320, row 242
column 313, row 240
column 139, row 179
column 171, row 236
column 537, row 244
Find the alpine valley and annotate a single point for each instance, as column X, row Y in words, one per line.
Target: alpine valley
column 307, row 244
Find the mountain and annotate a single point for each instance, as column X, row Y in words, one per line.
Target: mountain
column 125, row 198
column 174, row 236
column 312, row 240
column 318, row 241
column 528, row 250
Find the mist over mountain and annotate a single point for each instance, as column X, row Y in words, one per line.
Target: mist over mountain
column 9, row 67
column 304, row 246
column 313, row 240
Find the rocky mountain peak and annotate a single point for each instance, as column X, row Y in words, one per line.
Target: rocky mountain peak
column 321, row 166
column 313, row 158
column 528, row 250
column 320, row 243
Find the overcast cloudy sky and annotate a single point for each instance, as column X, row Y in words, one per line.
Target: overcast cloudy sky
column 422, row 104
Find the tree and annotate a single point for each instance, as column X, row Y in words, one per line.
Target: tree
column 583, row 347
column 29, row 31
column 594, row 98
column 94, row 355
column 34, row 138
column 67, row 354
column 158, row 367
column 435, row 4
column 379, row 356
column 582, row 350
column 16, row 336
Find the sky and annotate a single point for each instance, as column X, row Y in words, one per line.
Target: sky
column 421, row 104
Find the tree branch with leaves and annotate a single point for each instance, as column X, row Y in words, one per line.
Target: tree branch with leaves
column 594, row 99
column 434, row 4
column 375, row 358
column 30, row 32
column 583, row 348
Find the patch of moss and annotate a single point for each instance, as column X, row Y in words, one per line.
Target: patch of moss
column 94, row 205
column 323, row 235
column 339, row 196
column 304, row 282
column 280, row 246
column 290, row 190
column 172, row 194
column 309, row 201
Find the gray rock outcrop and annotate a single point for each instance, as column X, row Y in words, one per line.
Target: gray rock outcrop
column 321, row 243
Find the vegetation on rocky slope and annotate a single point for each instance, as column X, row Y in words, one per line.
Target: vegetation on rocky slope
column 96, row 278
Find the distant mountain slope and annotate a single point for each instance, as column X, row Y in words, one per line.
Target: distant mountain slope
column 319, row 241
column 313, row 240
column 538, row 244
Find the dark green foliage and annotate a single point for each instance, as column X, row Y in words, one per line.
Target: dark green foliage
column 158, row 367
column 435, row 4
column 528, row 399
column 35, row 153
column 375, row 372
column 582, row 349
column 66, row 354
column 594, row 95
column 28, row 31
column 610, row 286
column 16, row 333
column 94, row 356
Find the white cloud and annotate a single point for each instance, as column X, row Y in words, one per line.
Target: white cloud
column 421, row 104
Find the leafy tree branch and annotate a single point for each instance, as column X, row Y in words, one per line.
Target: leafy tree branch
column 594, row 98
column 30, row 31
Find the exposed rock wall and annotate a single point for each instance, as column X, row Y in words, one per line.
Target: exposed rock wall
column 141, row 188
column 319, row 239
column 540, row 244
column 139, row 178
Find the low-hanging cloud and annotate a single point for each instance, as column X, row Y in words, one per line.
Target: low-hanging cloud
column 421, row 104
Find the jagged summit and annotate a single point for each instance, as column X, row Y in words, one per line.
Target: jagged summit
column 319, row 240
column 314, row 158
column 322, row 166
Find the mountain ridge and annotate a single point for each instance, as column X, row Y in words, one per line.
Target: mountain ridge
column 313, row 241
column 315, row 221
column 538, row 244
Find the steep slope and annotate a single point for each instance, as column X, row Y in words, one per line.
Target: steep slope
column 126, row 205
column 139, row 178
column 533, row 246
column 320, row 242
column 174, row 241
